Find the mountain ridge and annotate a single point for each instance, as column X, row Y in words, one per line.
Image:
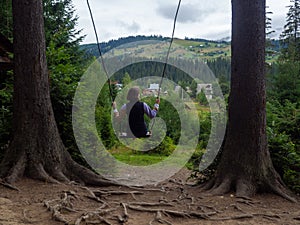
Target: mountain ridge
column 203, row 48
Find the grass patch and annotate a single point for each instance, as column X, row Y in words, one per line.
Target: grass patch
column 139, row 159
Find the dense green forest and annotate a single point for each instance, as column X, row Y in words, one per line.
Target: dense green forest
column 68, row 60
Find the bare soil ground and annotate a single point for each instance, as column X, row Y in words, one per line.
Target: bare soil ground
column 172, row 202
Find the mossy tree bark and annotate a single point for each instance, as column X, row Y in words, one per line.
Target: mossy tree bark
column 245, row 165
column 36, row 149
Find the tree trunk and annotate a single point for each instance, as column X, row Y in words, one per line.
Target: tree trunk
column 245, row 165
column 36, row 149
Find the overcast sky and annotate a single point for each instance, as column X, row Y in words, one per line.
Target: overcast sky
column 196, row 18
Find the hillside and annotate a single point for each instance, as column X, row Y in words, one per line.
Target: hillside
column 192, row 48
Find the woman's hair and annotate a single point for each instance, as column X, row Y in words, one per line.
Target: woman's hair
column 133, row 94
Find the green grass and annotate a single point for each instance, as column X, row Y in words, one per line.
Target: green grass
column 187, row 43
column 138, row 159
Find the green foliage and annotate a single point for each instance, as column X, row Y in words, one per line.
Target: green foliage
column 285, row 83
column 201, row 97
column 283, row 119
column 221, row 67
column 224, row 85
column 60, row 24
column 283, row 107
column 104, row 127
column 193, row 89
column 66, row 64
column 285, row 157
column 6, row 92
column 205, row 129
column 126, row 79
column 165, row 148
column 290, row 37
column 6, row 79
column 6, row 18
column 103, row 118
column 170, row 115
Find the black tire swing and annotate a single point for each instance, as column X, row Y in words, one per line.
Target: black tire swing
column 149, row 133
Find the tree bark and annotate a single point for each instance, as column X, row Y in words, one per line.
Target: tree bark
column 245, row 165
column 36, row 149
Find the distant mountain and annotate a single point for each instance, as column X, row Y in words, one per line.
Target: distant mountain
column 227, row 39
column 92, row 49
column 200, row 48
column 193, row 47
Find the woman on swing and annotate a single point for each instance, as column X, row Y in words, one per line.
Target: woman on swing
column 135, row 110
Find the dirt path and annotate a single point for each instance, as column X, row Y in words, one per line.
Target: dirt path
column 172, row 202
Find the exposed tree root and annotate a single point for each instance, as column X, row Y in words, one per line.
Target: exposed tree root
column 221, row 188
column 98, row 195
column 246, row 188
column 57, row 205
column 96, row 214
column 173, row 212
column 12, row 169
column 180, row 182
column 56, row 171
column 92, row 218
column 124, row 218
column 5, row 184
column 93, row 196
column 147, row 189
column 158, row 218
column 37, row 171
column 151, row 204
column 202, row 207
column 278, row 187
column 108, row 193
column 237, row 217
column 267, row 216
column 297, row 218
column 84, row 175
column 248, row 201
column 235, row 206
column 164, row 210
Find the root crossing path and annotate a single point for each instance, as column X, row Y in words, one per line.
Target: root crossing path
column 171, row 202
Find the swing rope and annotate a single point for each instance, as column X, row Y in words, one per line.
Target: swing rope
column 102, row 59
column 169, row 49
column 100, row 53
column 165, row 63
column 167, row 58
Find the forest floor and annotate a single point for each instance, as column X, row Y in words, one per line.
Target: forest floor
column 172, row 202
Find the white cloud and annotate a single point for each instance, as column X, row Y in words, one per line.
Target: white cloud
column 196, row 18
column 187, row 13
column 130, row 27
column 278, row 16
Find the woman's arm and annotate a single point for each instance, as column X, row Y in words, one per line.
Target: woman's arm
column 151, row 113
column 119, row 115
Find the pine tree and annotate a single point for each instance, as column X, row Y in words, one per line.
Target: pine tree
column 269, row 32
column 6, row 18
column 60, row 23
column 245, row 165
column 36, row 149
column 290, row 37
column 65, row 61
